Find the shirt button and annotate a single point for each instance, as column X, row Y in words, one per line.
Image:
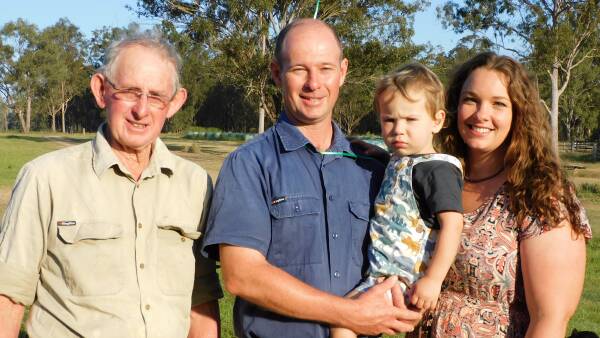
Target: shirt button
column 336, row 235
column 331, row 198
column 139, row 225
column 336, row 274
column 147, row 306
column 141, row 265
column 183, row 239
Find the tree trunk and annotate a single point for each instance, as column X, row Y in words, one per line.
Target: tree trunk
column 5, row 118
column 27, row 126
column 63, row 105
column 261, row 119
column 261, row 106
column 554, row 77
column 62, row 115
column 21, row 120
column 53, row 118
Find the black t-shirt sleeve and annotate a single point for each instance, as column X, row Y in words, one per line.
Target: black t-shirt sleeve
column 438, row 187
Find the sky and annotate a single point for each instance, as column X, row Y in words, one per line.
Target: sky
column 89, row 15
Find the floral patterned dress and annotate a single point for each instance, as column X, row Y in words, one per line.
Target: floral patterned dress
column 483, row 293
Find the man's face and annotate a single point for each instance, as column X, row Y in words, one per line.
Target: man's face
column 311, row 73
column 135, row 124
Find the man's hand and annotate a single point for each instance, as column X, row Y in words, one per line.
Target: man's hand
column 205, row 321
column 247, row 274
column 10, row 317
column 376, row 313
column 425, row 293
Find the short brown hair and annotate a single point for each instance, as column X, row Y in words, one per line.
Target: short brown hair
column 413, row 76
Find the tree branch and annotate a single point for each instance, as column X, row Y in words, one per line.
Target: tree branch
column 546, row 106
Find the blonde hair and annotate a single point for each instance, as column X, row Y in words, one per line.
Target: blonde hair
column 415, row 77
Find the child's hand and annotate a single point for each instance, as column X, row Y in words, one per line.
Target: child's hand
column 425, row 293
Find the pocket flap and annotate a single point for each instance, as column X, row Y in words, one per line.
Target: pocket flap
column 295, row 206
column 185, row 230
column 359, row 209
column 89, row 230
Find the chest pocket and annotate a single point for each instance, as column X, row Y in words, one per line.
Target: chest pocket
column 91, row 258
column 296, row 237
column 176, row 256
column 359, row 219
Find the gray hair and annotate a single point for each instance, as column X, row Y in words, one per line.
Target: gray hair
column 152, row 39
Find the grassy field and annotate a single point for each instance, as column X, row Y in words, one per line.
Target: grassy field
column 15, row 150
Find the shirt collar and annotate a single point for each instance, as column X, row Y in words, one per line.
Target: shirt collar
column 292, row 139
column 103, row 156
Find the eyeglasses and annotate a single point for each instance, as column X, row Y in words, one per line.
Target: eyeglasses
column 134, row 95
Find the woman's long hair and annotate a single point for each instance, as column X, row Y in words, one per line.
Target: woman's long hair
column 536, row 181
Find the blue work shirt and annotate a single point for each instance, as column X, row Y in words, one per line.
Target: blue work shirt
column 307, row 213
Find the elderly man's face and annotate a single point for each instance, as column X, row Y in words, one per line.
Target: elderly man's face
column 311, row 73
column 135, row 124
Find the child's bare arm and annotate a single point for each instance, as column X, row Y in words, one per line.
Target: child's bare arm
column 427, row 289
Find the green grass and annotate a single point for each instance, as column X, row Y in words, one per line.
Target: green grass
column 16, row 150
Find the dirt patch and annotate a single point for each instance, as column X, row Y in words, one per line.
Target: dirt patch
column 208, row 154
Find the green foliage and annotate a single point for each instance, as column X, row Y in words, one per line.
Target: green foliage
column 239, row 38
column 553, row 39
column 42, row 71
column 580, row 104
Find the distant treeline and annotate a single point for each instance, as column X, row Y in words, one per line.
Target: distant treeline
column 227, row 47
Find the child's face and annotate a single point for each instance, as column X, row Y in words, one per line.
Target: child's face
column 406, row 126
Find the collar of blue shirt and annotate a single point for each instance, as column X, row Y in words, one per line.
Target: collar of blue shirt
column 292, row 139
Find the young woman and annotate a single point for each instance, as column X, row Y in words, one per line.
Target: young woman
column 520, row 266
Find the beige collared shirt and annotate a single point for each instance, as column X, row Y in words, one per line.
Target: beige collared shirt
column 100, row 255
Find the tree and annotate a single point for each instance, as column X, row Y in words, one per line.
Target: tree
column 240, row 34
column 61, row 58
column 101, row 39
column 197, row 76
column 369, row 61
column 19, row 71
column 581, row 103
column 553, row 37
column 4, row 114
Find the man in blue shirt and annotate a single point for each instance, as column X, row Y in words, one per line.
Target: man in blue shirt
column 291, row 208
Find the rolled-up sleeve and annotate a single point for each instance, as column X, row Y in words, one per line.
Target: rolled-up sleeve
column 239, row 214
column 22, row 237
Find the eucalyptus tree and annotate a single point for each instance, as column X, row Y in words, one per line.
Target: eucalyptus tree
column 61, row 53
column 552, row 36
column 19, row 71
column 240, row 35
column 580, row 103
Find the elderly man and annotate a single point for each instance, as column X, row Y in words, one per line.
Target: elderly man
column 99, row 238
column 291, row 208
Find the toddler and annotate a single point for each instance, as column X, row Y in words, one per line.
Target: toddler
column 418, row 219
